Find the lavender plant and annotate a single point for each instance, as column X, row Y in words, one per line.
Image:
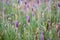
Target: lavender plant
column 24, row 22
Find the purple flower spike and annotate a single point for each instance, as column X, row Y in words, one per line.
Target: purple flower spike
column 58, row 4
column 42, row 35
column 17, row 23
column 38, row 1
column 25, row 3
column 28, row 18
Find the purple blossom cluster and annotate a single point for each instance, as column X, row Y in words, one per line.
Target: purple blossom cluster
column 59, row 4
column 28, row 18
column 17, row 23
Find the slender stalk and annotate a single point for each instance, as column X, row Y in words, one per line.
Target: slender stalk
column 3, row 11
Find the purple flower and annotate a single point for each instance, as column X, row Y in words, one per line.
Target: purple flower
column 28, row 18
column 35, row 6
column 8, row 2
column 42, row 35
column 25, row 3
column 38, row 1
column 58, row 4
column 26, row 6
column 20, row 2
column 17, row 23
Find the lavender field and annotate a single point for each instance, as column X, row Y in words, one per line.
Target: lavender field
column 29, row 19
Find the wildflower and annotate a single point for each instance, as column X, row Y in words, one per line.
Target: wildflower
column 33, row 12
column 35, row 6
column 26, row 7
column 25, row 3
column 16, row 20
column 42, row 36
column 38, row 1
column 58, row 4
column 28, row 18
column 17, row 23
